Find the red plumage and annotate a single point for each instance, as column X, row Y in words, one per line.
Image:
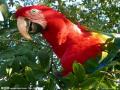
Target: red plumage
column 70, row 42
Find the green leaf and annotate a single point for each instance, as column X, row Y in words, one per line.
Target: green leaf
column 44, row 59
column 50, row 84
column 16, row 65
column 90, row 65
column 103, row 86
column 69, row 81
column 110, row 83
column 9, row 71
column 29, row 74
column 89, row 83
column 18, row 79
column 4, row 83
column 37, row 71
column 117, row 42
column 22, row 61
column 2, row 70
column 79, row 71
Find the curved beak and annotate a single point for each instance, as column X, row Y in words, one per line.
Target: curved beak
column 22, row 27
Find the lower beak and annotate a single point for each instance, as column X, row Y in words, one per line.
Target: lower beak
column 22, row 27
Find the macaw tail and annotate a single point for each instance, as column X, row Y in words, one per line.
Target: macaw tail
column 110, row 53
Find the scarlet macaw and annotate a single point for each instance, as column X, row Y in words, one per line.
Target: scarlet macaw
column 70, row 42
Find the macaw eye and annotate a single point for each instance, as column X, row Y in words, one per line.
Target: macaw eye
column 33, row 11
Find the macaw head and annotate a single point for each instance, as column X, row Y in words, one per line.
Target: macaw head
column 30, row 19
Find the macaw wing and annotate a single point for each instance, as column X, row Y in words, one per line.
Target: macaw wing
column 112, row 48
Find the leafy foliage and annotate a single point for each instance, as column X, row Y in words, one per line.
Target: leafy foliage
column 32, row 64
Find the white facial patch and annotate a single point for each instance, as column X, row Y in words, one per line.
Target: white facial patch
column 36, row 16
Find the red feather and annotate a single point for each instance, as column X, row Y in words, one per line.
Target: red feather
column 70, row 42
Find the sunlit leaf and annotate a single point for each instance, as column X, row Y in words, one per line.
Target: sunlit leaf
column 79, row 71
column 29, row 74
column 9, row 71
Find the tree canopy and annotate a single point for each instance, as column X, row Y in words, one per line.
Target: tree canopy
column 32, row 64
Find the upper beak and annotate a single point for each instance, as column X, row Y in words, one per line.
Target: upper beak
column 22, row 27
